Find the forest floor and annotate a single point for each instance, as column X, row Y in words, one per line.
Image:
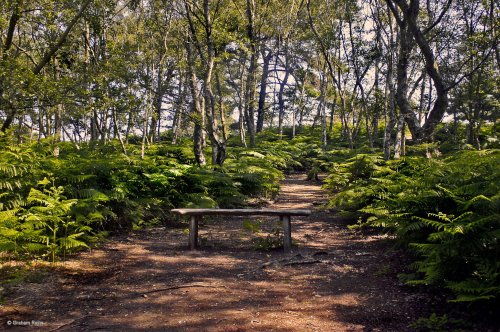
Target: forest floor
column 334, row 280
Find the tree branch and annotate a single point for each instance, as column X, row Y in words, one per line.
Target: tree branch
column 440, row 17
column 62, row 39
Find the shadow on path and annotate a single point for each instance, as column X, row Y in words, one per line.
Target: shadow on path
column 334, row 280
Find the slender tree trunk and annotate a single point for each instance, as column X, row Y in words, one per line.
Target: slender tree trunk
column 179, row 108
column 399, row 137
column 58, row 114
column 322, row 112
column 390, row 95
column 144, row 131
column 263, row 89
column 251, row 76
column 220, row 103
column 241, row 109
column 117, row 131
column 281, row 93
column 218, row 143
column 197, row 113
column 332, row 113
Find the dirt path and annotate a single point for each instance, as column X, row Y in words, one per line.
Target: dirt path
column 334, row 280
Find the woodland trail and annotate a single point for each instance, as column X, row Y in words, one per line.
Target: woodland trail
column 334, row 280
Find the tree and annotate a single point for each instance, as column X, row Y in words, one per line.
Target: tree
column 9, row 57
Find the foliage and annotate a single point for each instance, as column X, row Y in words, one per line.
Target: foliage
column 272, row 240
column 438, row 324
column 44, row 225
column 95, row 190
column 446, row 210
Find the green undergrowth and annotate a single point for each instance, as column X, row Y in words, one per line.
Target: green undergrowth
column 444, row 209
column 53, row 206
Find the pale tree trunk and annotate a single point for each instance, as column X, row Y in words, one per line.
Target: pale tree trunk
column 322, row 113
column 179, row 108
column 390, row 94
column 390, row 114
column 421, row 107
column 220, row 103
column 281, row 92
column 207, row 104
column 332, row 113
column 241, row 110
column 399, row 137
column 197, row 112
column 130, row 120
column 58, row 115
column 405, row 46
column 376, row 111
column 145, row 130
column 218, row 142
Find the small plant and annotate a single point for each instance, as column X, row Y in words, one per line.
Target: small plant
column 49, row 220
column 274, row 240
column 252, row 226
column 437, row 323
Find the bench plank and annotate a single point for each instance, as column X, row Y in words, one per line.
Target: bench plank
column 242, row 212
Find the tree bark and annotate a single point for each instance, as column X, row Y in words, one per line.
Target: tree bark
column 390, row 106
column 251, row 75
column 196, row 113
column 408, row 24
column 179, row 107
column 281, row 92
column 263, row 90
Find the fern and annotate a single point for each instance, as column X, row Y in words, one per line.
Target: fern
column 447, row 211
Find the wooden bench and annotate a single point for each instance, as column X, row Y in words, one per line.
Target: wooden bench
column 285, row 216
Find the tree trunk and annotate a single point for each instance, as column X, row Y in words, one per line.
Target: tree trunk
column 399, row 137
column 161, row 87
column 322, row 113
column 251, row 76
column 220, row 103
column 179, row 107
column 117, row 131
column 405, row 46
column 281, row 92
column 197, row 113
column 390, row 107
column 409, row 29
column 263, row 90
column 218, row 142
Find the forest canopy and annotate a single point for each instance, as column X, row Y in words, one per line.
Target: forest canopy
column 94, row 71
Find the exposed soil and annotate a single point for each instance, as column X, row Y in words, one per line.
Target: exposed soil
column 334, row 280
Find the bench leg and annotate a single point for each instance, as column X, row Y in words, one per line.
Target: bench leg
column 193, row 232
column 287, row 233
